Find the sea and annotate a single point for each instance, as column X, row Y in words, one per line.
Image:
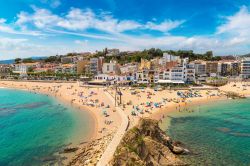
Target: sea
column 34, row 127
column 216, row 133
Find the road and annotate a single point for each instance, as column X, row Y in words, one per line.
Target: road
column 111, row 148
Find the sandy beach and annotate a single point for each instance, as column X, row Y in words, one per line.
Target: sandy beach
column 149, row 103
column 136, row 103
column 93, row 100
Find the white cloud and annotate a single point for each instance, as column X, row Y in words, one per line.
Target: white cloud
column 2, row 20
column 9, row 42
column 80, row 20
column 42, row 18
column 11, row 30
column 55, row 3
column 238, row 24
column 232, row 37
column 52, row 3
column 102, row 37
column 165, row 26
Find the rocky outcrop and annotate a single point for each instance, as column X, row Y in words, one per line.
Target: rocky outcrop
column 234, row 95
column 147, row 145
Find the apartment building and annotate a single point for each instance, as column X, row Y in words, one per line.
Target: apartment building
column 145, row 64
column 111, row 67
column 66, row 68
column 170, row 58
column 95, row 65
column 180, row 73
column 5, row 70
column 112, row 52
column 228, row 68
column 111, row 77
column 245, row 68
column 68, row 59
column 129, row 68
column 82, row 66
column 23, row 68
column 235, row 68
column 142, row 77
column 167, row 58
column 190, row 73
column 212, row 68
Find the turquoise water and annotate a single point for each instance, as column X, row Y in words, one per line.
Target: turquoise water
column 217, row 133
column 33, row 127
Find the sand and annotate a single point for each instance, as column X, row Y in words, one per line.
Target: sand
column 242, row 88
column 84, row 98
column 168, row 100
column 132, row 99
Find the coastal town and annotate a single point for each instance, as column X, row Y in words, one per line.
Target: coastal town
column 118, row 95
column 109, row 67
column 124, row 83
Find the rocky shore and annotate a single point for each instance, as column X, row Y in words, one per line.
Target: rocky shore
column 147, row 145
column 86, row 153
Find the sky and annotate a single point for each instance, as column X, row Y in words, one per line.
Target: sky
column 49, row 27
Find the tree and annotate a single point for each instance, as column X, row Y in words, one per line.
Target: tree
column 28, row 60
column 53, row 59
column 18, row 60
column 209, row 55
column 30, row 69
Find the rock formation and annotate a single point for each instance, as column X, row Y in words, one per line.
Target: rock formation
column 147, row 145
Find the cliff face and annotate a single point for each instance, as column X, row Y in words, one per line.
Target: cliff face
column 147, row 145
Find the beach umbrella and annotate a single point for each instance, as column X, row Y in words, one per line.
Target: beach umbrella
column 156, row 104
column 104, row 112
column 133, row 112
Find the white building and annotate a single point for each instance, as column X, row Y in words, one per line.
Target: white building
column 142, row 77
column 111, row 78
column 111, row 67
column 245, row 68
column 181, row 73
column 69, row 59
column 66, row 68
column 170, row 58
column 23, row 68
column 112, row 52
column 128, row 68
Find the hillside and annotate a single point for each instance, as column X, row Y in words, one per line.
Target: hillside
column 147, row 145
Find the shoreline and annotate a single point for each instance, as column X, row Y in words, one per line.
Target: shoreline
column 194, row 112
column 99, row 138
column 172, row 108
column 103, row 137
column 75, row 107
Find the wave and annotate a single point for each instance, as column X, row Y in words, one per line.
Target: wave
column 240, row 134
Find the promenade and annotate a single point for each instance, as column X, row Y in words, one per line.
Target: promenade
column 110, row 150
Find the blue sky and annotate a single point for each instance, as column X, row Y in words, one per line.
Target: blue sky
column 49, row 27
